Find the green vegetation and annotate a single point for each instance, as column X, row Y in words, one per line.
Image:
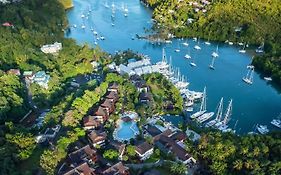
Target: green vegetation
column 12, row 102
column 165, row 94
column 110, row 154
column 231, row 154
column 249, row 21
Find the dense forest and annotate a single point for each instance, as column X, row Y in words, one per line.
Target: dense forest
column 250, row 21
column 232, row 154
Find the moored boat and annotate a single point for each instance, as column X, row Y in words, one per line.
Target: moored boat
column 276, row 122
column 262, row 129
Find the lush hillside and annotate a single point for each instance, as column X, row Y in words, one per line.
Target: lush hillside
column 250, row 21
column 66, row 3
column 230, row 154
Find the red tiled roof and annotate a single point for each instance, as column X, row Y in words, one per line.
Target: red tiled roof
column 118, row 168
column 143, row 148
column 82, row 169
column 91, row 121
column 96, row 136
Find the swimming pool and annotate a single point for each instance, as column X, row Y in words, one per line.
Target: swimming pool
column 126, row 130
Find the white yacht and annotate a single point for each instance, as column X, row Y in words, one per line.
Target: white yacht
column 187, row 56
column 243, row 49
column 205, row 117
column 222, row 125
column 230, row 43
column 262, row 129
column 185, row 44
column 193, row 64
column 276, row 122
column 83, row 26
column 207, row 43
column 267, row 78
column 197, row 47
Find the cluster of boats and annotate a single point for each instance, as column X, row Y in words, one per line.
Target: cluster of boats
column 263, row 129
column 221, row 120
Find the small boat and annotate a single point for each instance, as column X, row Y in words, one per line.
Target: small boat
column 195, row 39
column 262, row 129
column 276, row 122
column 187, row 56
column 112, row 24
column 83, row 26
column 185, row 44
column 230, row 43
column 240, row 44
column 168, row 41
column 192, row 64
column 74, row 25
column 197, row 47
column 207, row 43
column 267, row 78
column 177, row 50
column 189, row 109
column 125, row 14
column 95, row 32
column 82, row 16
column 102, row 38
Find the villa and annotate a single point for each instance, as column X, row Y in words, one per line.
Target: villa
column 101, row 114
column 41, row 78
column 84, row 154
column 108, row 106
column 82, row 169
column 90, row 122
column 117, row 169
column 113, row 96
column 144, row 150
column 51, row 48
column 145, row 97
column 97, row 138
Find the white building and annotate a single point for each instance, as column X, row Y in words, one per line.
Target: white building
column 51, row 48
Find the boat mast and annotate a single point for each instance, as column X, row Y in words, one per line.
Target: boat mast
column 228, row 113
column 203, row 102
column 220, row 110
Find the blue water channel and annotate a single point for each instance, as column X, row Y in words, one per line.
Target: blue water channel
column 252, row 104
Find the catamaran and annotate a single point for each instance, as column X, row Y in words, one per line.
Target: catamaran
column 202, row 109
column 216, row 53
column 222, row 125
column 250, row 75
column 218, row 116
column 262, row 129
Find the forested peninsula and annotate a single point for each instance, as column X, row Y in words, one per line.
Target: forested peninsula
column 249, row 21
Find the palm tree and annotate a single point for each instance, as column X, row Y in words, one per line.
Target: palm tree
column 238, row 165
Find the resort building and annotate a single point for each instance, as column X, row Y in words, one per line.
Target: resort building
column 90, row 122
column 144, row 150
column 117, row 169
column 145, row 97
column 82, row 169
column 51, row 48
column 108, row 106
column 97, row 138
column 41, row 78
column 112, row 95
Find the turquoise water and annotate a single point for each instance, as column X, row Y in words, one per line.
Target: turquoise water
column 258, row 103
column 127, row 130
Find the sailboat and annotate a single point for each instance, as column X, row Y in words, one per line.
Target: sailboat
column 202, row 109
column 178, row 48
column 185, row 43
column 197, row 47
column 192, row 63
column 243, row 49
column 206, row 116
column 216, row 53
column 218, row 116
column 223, row 124
column 211, row 66
column 187, row 56
column 249, row 77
